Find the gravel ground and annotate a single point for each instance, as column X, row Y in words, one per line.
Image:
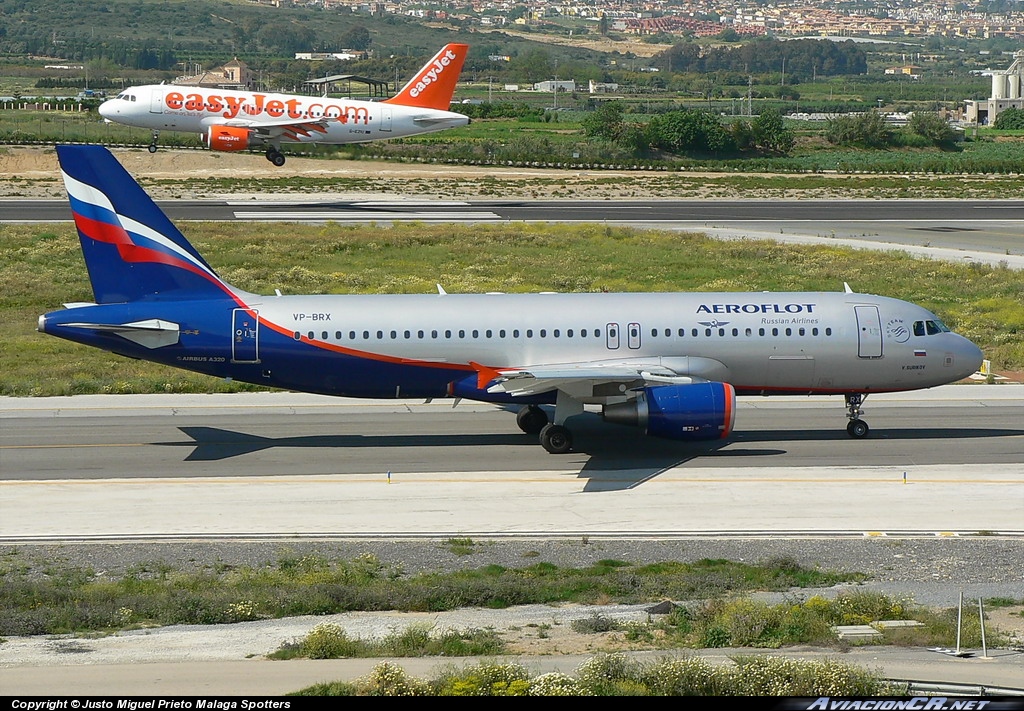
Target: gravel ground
column 928, row 571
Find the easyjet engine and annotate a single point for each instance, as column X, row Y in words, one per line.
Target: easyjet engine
column 227, row 138
column 695, row 411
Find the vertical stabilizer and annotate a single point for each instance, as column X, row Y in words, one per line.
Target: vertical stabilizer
column 131, row 249
column 433, row 86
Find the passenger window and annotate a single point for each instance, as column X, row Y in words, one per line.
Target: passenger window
column 476, row 333
column 408, row 334
column 310, row 335
column 351, row 335
column 366, row 335
column 297, row 336
column 323, row 335
column 337, row 335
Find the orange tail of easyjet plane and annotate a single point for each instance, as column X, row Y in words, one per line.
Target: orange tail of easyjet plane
column 432, row 86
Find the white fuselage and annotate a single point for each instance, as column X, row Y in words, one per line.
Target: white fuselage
column 195, row 110
column 812, row 342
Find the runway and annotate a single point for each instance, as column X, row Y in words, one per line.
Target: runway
column 946, row 461
column 986, row 231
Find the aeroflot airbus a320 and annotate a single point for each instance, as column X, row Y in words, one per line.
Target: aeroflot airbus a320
column 236, row 120
column 670, row 363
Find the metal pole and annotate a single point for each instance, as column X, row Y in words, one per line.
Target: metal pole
column 959, row 619
column 981, row 619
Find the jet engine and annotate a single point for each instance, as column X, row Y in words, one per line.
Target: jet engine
column 696, row 411
column 227, row 138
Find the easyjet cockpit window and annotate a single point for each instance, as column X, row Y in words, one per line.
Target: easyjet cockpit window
column 929, row 328
column 126, row 97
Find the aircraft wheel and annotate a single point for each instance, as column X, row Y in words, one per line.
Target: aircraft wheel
column 556, row 439
column 857, row 429
column 531, row 419
column 152, row 148
column 278, row 159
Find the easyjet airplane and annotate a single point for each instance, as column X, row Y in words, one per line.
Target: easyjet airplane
column 671, row 363
column 236, row 120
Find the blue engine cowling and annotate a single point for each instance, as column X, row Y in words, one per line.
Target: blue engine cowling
column 698, row 411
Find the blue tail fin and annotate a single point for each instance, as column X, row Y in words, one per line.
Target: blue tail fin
column 132, row 250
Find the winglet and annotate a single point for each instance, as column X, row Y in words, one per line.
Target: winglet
column 484, row 374
column 433, row 86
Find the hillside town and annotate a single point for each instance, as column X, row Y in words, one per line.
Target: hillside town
column 973, row 19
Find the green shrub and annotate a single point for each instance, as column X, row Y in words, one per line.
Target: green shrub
column 327, row 641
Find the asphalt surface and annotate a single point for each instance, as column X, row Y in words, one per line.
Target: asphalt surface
column 985, row 231
column 944, row 460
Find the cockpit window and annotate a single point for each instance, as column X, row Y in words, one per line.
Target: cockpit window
column 929, row 328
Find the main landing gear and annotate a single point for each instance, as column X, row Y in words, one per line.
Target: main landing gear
column 152, row 142
column 857, row 428
column 275, row 156
column 555, row 437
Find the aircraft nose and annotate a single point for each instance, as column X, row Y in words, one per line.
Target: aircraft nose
column 968, row 357
column 106, row 110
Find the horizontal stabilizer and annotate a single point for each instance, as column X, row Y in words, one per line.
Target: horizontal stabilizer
column 435, row 120
column 152, row 333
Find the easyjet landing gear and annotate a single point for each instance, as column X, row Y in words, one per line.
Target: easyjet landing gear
column 857, row 428
column 275, row 156
column 152, row 142
column 531, row 419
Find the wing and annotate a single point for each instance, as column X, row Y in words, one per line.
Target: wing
column 606, row 378
column 289, row 129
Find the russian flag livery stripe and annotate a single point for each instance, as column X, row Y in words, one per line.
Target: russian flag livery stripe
column 131, row 249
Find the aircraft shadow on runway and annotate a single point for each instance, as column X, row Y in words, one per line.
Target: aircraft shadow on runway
column 611, row 458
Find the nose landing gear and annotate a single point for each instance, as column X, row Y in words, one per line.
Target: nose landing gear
column 152, row 142
column 856, row 428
